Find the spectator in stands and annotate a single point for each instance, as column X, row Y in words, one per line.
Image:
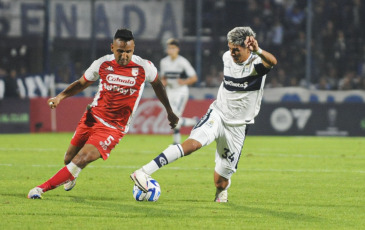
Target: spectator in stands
column 214, row 78
column 323, row 84
column 328, row 41
column 11, row 85
column 348, row 82
column 339, row 49
column 276, row 35
column 261, row 29
column 332, row 77
column 362, row 83
column 273, row 83
column 282, row 77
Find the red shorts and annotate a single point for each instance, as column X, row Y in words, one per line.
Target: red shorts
column 91, row 131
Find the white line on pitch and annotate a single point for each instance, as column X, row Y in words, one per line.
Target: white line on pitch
column 30, row 149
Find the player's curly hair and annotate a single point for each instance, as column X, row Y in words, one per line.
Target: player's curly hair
column 238, row 35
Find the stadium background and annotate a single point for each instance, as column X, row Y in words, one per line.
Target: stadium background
column 316, row 89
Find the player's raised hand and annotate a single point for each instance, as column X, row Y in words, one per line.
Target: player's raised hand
column 173, row 119
column 251, row 43
column 53, row 102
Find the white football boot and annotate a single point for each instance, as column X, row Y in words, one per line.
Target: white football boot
column 221, row 196
column 70, row 185
column 35, row 193
column 140, row 178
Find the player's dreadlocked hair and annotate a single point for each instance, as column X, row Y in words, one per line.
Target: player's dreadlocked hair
column 124, row 34
column 238, row 35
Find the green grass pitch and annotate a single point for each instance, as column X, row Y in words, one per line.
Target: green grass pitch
column 281, row 183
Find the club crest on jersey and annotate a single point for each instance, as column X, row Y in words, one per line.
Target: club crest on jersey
column 247, row 68
column 120, row 80
column 135, row 72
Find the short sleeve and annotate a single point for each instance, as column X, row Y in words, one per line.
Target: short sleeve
column 150, row 71
column 92, row 73
column 189, row 70
column 259, row 66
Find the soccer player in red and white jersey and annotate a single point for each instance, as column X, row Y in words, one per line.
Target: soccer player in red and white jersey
column 122, row 79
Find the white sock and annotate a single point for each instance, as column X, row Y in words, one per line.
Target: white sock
column 73, row 169
column 177, row 136
column 169, row 155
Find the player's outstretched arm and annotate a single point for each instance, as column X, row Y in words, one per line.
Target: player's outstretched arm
column 162, row 96
column 73, row 89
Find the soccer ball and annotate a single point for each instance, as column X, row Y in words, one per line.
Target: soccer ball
column 154, row 190
column 153, row 193
column 138, row 194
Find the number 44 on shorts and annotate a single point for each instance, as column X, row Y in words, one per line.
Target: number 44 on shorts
column 228, row 155
column 107, row 142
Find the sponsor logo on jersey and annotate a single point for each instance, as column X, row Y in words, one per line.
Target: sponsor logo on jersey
column 120, row 80
column 110, row 68
column 121, row 90
column 133, row 91
column 234, row 84
column 135, row 72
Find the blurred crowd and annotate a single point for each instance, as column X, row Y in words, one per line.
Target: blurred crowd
column 338, row 41
column 337, row 44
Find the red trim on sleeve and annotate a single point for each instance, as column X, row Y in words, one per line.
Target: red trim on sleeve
column 86, row 78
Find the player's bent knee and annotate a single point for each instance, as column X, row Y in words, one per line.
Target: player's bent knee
column 190, row 146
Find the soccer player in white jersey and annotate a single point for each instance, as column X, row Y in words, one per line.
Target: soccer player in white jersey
column 177, row 74
column 226, row 122
column 122, row 77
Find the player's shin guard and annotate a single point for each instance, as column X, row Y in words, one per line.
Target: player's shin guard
column 169, row 155
column 67, row 173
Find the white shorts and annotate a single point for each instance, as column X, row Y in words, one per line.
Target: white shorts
column 229, row 139
column 177, row 101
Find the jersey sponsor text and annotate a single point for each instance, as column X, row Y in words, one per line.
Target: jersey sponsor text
column 121, row 80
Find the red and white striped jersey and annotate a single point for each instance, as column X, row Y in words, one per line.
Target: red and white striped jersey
column 120, row 89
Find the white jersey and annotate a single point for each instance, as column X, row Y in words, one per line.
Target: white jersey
column 172, row 70
column 239, row 96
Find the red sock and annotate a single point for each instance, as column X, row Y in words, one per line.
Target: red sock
column 60, row 178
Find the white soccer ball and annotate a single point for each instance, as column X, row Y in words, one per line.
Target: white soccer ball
column 153, row 193
column 138, row 194
column 154, row 190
